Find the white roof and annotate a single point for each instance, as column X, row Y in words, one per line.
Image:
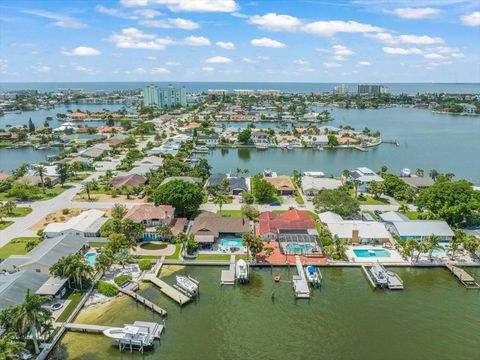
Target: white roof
column 328, row 217
column 315, row 183
column 391, row 216
column 423, row 228
column 87, row 220
column 314, row 173
column 366, row 229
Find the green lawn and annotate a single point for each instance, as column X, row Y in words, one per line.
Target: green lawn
column 218, row 257
column 75, row 297
column 176, row 254
column 370, row 200
column 78, row 178
column 412, row 215
column 97, row 244
column 5, row 224
column 49, row 193
column 15, row 247
column 371, row 214
column 19, row 212
column 233, row 213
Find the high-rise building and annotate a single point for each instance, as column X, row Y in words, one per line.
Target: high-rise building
column 340, row 90
column 164, row 97
column 365, row 89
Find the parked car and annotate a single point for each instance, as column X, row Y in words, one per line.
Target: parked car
column 141, row 195
column 377, row 212
column 275, row 203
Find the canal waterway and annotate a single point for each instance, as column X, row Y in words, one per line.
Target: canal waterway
column 433, row 318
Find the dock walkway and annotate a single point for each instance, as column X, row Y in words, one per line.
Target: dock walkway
column 465, row 278
column 147, row 303
column 228, row 276
column 155, row 329
column 300, row 283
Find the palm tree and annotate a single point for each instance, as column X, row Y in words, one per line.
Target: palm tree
column 122, row 257
column 119, row 211
column 163, row 230
column 433, row 243
column 104, row 260
column 32, row 316
column 410, row 246
column 419, row 172
column 40, row 170
column 73, row 266
column 345, row 174
column 220, row 199
column 471, row 244
column 356, row 184
column 9, row 348
column 88, row 187
column 457, row 239
column 403, row 208
column 253, row 243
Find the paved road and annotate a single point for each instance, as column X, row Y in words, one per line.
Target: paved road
column 308, row 206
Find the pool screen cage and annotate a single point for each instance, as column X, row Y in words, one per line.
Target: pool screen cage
column 288, row 241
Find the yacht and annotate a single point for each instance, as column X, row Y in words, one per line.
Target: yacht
column 241, row 271
column 187, row 284
column 313, row 276
column 379, row 275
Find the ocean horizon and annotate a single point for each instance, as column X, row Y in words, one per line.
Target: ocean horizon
column 201, row 86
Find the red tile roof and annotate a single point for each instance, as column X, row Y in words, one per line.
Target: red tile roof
column 270, row 222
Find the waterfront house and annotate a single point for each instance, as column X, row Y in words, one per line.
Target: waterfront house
column 110, row 129
column 469, row 109
column 235, row 184
column 315, row 140
column 116, row 140
column 45, row 254
column 132, row 180
column 283, row 184
column 355, row 231
column 87, row 224
column 155, row 162
column 153, row 216
column 418, row 183
column 93, row 153
column 190, row 179
column 164, row 149
column 294, row 221
column 365, row 176
column 311, row 185
column 259, row 137
column 209, row 140
column 208, row 227
column 14, row 286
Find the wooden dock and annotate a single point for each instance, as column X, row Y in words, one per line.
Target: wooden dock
column 155, row 329
column 87, row 328
column 228, row 276
column 465, row 278
column 300, row 283
column 369, row 277
column 147, row 303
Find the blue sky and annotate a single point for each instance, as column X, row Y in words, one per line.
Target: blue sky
column 235, row 40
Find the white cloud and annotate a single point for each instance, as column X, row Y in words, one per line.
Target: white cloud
column 472, row 19
column 330, row 28
column 363, row 63
column 61, row 20
column 160, row 70
column 301, row 62
column 267, row 42
column 196, row 41
column 249, row 60
column 332, row 65
column 341, row 50
column 208, row 69
column 457, row 55
column 416, row 13
column 114, row 12
column 218, row 60
column 81, row 51
column 40, row 68
column 147, row 13
column 83, row 69
column 170, row 23
column 151, row 58
column 262, row 57
column 188, row 5
column 140, row 70
column 275, row 22
column 406, row 39
column 402, row 51
column 172, row 63
column 433, row 56
column 256, row 60
column 132, row 38
column 226, row 45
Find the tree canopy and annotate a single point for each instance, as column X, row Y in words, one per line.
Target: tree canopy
column 338, row 201
column 184, row 196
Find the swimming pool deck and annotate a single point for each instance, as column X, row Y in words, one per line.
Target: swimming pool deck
column 394, row 258
column 277, row 258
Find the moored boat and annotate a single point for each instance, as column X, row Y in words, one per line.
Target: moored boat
column 313, row 275
column 241, row 271
column 187, row 284
column 379, row 275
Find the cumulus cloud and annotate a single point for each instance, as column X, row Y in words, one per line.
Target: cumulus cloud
column 332, row 65
column 226, row 45
column 218, row 60
column 301, row 62
column 330, row 28
column 170, row 23
column 188, row 5
column 147, row 13
column 402, row 51
column 196, row 41
column 341, row 51
column 60, row 20
column 433, row 53
column 40, row 68
column 81, row 51
column 275, row 22
column 472, row 19
column 255, row 60
column 416, row 13
column 363, row 63
column 388, row 38
column 140, row 70
column 132, row 38
column 267, row 42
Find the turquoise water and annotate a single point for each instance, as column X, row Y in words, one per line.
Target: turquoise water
column 299, row 248
column 90, row 258
column 232, row 243
column 371, row 253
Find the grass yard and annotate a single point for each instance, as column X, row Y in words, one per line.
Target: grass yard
column 97, row 244
column 218, row 257
column 151, row 246
column 412, row 215
column 15, row 247
column 232, row 213
column 5, row 224
column 75, row 297
column 176, row 254
column 370, row 200
column 19, row 212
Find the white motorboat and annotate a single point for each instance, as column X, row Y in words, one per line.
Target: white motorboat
column 406, row 172
column 379, row 275
column 241, row 271
column 187, row 284
column 261, row 146
column 313, row 275
column 129, row 333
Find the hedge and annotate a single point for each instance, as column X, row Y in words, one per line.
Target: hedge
column 120, row 279
column 107, row 289
column 144, row 264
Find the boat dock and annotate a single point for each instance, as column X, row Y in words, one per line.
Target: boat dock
column 300, row 283
column 465, row 278
column 155, row 329
column 394, row 282
column 165, row 288
column 360, row 148
column 147, row 303
column 369, row 277
column 228, row 276
column 394, row 142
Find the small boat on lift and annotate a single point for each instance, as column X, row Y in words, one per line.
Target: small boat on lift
column 313, row 276
column 187, row 284
column 241, row 271
column 379, row 275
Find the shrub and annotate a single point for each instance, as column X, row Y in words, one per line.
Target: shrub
column 65, row 211
column 120, row 279
column 144, row 264
column 106, row 288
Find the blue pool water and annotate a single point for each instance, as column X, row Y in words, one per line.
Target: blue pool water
column 90, row 258
column 371, row 253
column 231, row 243
column 298, row 248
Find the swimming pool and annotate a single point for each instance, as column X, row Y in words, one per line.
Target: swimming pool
column 299, row 248
column 91, row 258
column 371, row 253
column 229, row 243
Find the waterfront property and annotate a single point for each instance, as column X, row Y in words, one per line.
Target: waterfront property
column 87, row 224
column 14, row 286
column 365, row 176
column 234, row 185
column 421, row 230
column 312, row 185
column 282, row 184
column 132, row 180
column 418, row 183
column 164, row 97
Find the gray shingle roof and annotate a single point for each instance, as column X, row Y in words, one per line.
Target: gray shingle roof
column 14, row 286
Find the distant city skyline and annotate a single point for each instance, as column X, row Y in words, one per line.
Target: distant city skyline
column 367, row 41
